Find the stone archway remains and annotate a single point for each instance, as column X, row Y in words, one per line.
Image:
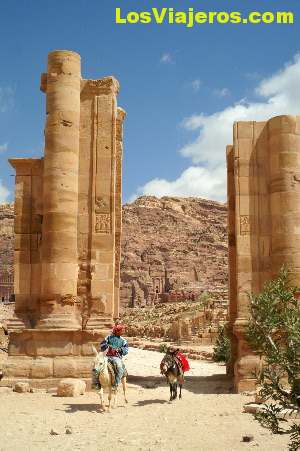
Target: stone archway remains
column 67, row 229
column 263, row 166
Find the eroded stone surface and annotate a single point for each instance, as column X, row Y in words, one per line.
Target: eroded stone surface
column 71, row 387
column 22, row 387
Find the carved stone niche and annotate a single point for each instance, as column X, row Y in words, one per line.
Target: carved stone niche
column 103, row 223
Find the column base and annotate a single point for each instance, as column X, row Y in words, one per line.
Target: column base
column 243, row 385
column 44, row 357
column 59, row 321
column 18, row 322
column 99, row 322
column 246, row 362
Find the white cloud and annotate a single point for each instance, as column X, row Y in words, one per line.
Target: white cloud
column 195, row 181
column 166, row 58
column 4, row 193
column 3, row 147
column 279, row 94
column 6, row 98
column 196, row 84
column 224, row 92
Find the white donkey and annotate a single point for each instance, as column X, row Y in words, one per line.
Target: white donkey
column 106, row 379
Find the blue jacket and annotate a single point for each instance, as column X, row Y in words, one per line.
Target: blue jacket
column 117, row 346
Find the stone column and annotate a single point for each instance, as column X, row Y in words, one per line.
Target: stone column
column 231, row 255
column 118, row 206
column 22, row 229
column 247, row 258
column 103, row 185
column 27, row 226
column 284, row 146
column 60, row 189
column 103, row 237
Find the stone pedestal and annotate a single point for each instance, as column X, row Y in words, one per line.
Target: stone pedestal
column 42, row 358
column 67, row 229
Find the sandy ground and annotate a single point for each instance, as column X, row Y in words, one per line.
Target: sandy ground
column 208, row 418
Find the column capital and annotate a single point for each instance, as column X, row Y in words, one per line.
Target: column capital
column 106, row 85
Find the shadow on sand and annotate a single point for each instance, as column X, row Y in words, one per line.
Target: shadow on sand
column 207, row 385
column 72, row 408
column 147, row 402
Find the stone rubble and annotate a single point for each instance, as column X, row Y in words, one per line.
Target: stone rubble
column 187, row 321
column 71, row 388
column 21, row 387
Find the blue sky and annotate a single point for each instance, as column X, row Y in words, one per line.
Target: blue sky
column 182, row 88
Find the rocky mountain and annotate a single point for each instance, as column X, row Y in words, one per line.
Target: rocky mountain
column 171, row 247
column 6, row 238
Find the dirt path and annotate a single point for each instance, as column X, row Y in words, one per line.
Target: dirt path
column 208, row 418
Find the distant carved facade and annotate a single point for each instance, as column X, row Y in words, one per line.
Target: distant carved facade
column 6, row 287
column 172, row 248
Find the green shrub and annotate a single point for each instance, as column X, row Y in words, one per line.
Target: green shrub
column 222, row 346
column 163, row 347
column 274, row 333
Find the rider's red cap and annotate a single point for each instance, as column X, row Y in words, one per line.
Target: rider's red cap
column 118, row 328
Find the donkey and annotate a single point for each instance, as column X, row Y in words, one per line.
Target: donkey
column 104, row 371
column 170, row 367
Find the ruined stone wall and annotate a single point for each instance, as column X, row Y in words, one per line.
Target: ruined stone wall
column 27, row 239
column 264, row 210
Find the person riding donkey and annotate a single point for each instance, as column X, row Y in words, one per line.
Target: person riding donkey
column 116, row 347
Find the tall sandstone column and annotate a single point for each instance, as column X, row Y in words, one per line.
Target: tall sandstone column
column 60, row 187
column 284, row 147
column 118, row 206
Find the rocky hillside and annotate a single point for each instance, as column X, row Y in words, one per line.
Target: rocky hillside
column 6, row 237
column 171, row 246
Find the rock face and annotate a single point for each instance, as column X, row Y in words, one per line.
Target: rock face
column 6, row 238
column 170, row 245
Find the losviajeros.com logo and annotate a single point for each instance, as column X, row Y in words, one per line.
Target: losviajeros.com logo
column 190, row 17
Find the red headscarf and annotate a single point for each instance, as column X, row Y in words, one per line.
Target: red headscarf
column 118, row 329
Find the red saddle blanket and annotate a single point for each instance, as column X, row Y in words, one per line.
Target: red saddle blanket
column 184, row 361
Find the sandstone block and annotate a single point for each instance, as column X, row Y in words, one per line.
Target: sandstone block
column 17, row 368
column 84, row 367
column 71, row 387
column 42, row 368
column 245, row 129
column 22, row 387
column 64, row 367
